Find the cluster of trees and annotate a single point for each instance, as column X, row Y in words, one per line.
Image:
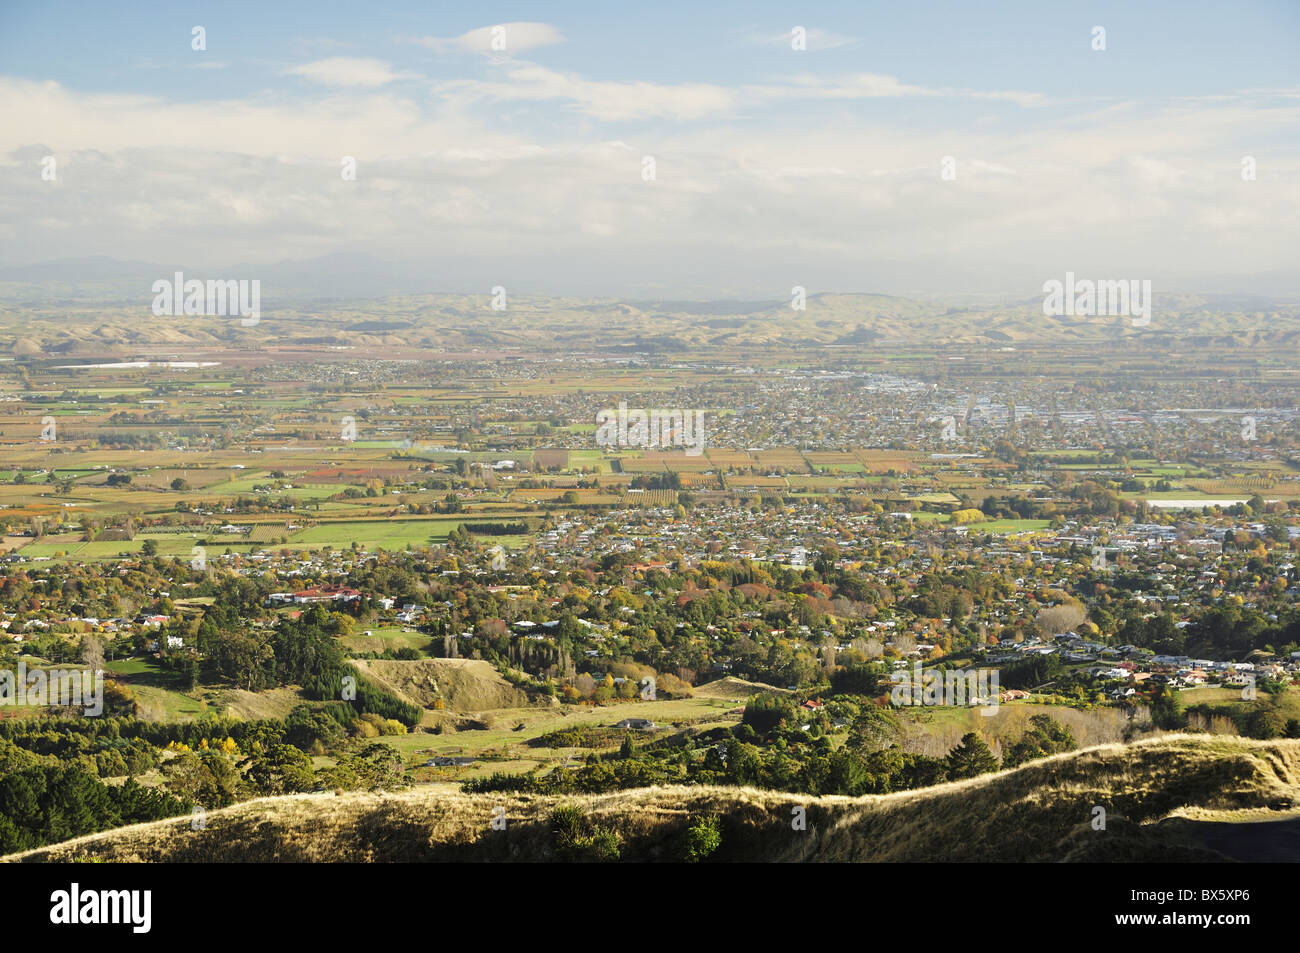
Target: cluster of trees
column 1031, row 671
column 767, row 750
column 1261, row 721
column 670, row 480
column 51, row 768
column 498, row 529
column 43, row 803
column 1218, row 632
column 216, row 779
column 302, row 651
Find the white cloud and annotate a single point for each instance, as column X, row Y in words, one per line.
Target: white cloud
column 611, row 100
column 365, row 124
column 600, row 99
column 1129, row 189
column 879, row 86
column 346, row 71
column 510, row 38
column 815, row 39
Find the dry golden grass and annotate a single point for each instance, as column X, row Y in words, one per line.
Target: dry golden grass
column 738, row 688
column 462, row 684
column 1165, row 798
column 274, row 703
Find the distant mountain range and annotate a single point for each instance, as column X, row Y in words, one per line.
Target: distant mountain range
column 103, row 306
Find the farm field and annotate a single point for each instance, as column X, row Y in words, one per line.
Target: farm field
column 503, row 739
column 385, row 638
column 1010, row 526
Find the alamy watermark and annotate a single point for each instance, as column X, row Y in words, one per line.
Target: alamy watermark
column 62, row 687
column 1127, row 297
column 75, row 906
column 228, row 297
column 965, row 687
column 651, row 428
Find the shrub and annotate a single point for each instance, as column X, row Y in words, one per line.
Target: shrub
column 575, row 838
column 603, row 846
column 701, row 839
column 501, row 781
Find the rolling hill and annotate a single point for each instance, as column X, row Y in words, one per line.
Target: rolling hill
column 1175, row 798
column 126, row 327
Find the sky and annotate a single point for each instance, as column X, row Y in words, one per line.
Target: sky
column 926, row 147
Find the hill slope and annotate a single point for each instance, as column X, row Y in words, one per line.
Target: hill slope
column 1174, row 798
column 462, row 684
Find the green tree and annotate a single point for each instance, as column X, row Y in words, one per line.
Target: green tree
column 1265, row 724
column 282, row 769
column 1045, row 736
column 874, row 728
column 311, row 729
column 970, row 758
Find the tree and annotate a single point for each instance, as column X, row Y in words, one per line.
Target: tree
column 309, row 729
column 970, row 758
column 1164, row 710
column 44, row 804
column 243, row 659
column 862, row 678
column 180, row 485
column 209, row 779
column 846, row 773
column 765, row 712
column 283, row 769
column 92, row 652
column 1044, row 736
column 873, row 729
column 149, row 548
column 1264, row 723
column 1059, row 619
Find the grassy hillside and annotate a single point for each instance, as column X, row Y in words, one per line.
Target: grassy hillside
column 461, row 684
column 1174, row 798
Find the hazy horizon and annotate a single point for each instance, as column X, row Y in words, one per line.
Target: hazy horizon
column 773, row 166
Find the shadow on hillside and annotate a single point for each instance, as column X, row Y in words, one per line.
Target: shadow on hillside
column 1266, row 842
